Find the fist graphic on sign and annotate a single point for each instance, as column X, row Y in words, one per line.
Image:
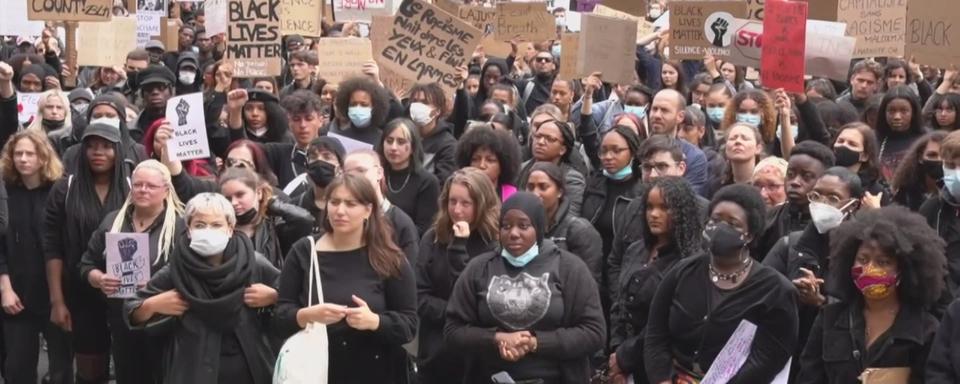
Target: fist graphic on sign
column 127, row 248
column 716, row 29
column 719, row 28
column 183, row 108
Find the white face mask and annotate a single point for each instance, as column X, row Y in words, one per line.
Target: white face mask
column 208, row 242
column 111, row 121
column 826, row 217
column 420, row 113
column 187, row 78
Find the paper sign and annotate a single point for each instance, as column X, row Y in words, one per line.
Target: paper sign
column 644, row 27
column 148, row 25
column 301, row 17
column 405, row 51
column 569, row 59
column 662, row 22
column 156, row 7
column 253, row 38
column 13, row 20
column 733, row 354
column 106, row 44
column 128, row 259
column 701, row 27
column 930, row 33
column 782, row 53
column 68, row 10
column 215, row 16
column 530, row 21
column 342, row 57
column 27, row 106
column 879, row 27
column 611, row 50
column 189, row 141
column 827, row 54
column 361, row 10
column 351, row 145
column 485, row 19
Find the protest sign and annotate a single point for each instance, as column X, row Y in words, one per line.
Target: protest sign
column 879, row 26
column 451, row 6
column 644, row 27
column 822, row 10
column 530, row 21
column 930, row 33
column 148, row 25
column 342, row 57
column 128, row 259
column 27, row 106
column 485, row 19
column 569, row 59
column 755, row 10
column 301, row 17
column 587, row 5
column 701, row 27
column 155, row 7
column 68, row 10
column 734, row 354
column 253, row 38
column 611, row 50
column 351, row 145
column 632, row 7
column 186, row 117
column 782, row 53
column 380, row 30
column 13, row 20
column 360, row 10
column 829, row 56
column 106, row 44
column 215, row 16
column 398, row 46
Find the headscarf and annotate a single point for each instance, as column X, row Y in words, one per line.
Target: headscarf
column 530, row 205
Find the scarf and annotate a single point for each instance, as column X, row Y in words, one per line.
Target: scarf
column 215, row 293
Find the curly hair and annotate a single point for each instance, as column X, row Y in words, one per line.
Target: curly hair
column 432, row 95
column 768, row 127
column 379, row 97
column 900, row 92
column 908, row 175
column 51, row 168
column 486, row 217
column 301, row 102
column 499, row 142
column 815, row 150
column 749, row 199
column 904, row 236
column 684, row 213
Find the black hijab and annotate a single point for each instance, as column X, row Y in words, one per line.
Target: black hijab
column 215, row 293
column 530, row 205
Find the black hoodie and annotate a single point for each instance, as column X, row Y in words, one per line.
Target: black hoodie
column 439, row 151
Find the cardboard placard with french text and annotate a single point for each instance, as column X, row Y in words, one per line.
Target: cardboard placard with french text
column 612, row 48
column 360, row 10
column 879, row 26
column 69, row 10
column 485, row 19
column 930, row 33
column 301, row 17
column 342, row 57
column 782, row 54
column 253, row 38
column 705, row 27
column 530, row 21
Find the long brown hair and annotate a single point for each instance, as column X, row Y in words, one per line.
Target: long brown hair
column 253, row 181
column 51, row 169
column 385, row 256
column 486, row 204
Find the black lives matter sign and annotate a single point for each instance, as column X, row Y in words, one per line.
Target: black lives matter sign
column 253, row 37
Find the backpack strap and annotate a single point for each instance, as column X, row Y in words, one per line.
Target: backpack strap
column 314, row 274
column 527, row 91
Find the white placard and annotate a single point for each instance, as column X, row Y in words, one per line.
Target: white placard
column 27, row 106
column 156, row 7
column 215, row 19
column 734, row 354
column 350, row 145
column 148, row 25
column 128, row 259
column 663, row 22
column 13, row 20
column 185, row 115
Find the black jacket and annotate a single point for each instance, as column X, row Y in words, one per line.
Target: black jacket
column 439, row 150
column 836, row 351
column 943, row 363
column 781, row 221
column 414, row 192
column 405, row 233
column 598, row 196
column 943, row 214
column 575, row 235
column 21, row 256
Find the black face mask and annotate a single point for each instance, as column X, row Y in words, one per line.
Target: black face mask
column 321, row 173
column 846, row 157
column 933, row 169
column 132, row 80
column 52, row 125
column 724, row 239
column 247, row 217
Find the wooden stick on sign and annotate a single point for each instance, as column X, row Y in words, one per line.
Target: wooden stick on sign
column 70, row 81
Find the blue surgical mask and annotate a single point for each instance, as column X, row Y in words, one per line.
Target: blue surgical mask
column 623, row 173
column 951, row 180
column 716, row 113
column 555, row 50
column 522, row 260
column 638, row 111
column 749, row 119
column 795, row 129
column 360, row 116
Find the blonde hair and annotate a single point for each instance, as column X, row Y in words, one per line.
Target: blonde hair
column 486, row 220
column 51, row 169
column 173, row 209
column 37, row 123
column 776, row 163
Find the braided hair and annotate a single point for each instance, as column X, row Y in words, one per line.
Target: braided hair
column 685, row 216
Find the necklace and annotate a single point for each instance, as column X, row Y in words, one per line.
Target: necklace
column 402, row 186
column 732, row 277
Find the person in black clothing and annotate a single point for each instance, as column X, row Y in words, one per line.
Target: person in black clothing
column 324, row 161
column 528, row 310
column 806, row 164
column 887, row 267
column 156, row 84
column 111, row 109
column 466, row 226
column 303, row 64
column 899, row 124
column 553, row 141
column 29, row 167
column 943, row 366
column 369, row 299
column 211, row 303
column 152, row 208
column 494, row 152
column 428, row 106
column 535, row 91
column 258, row 115
column 943, row 210
column 366, row 105
column 919, row 176
column 570, row 233
column 672, row 231
column 856, row 148
column 704, row 298
column 75, row 207
column 411, row 187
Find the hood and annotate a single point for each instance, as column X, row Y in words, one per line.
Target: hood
column 504, row 71
column 188, row 56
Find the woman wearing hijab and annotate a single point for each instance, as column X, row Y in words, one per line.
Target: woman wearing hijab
column 553, row 141
column 210, row 301
column 529, row 310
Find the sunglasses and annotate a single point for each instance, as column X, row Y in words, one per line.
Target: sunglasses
column 544, row 60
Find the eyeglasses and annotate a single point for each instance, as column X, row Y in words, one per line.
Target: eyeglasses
column 547, row 138
column 612, row 151
column 238, row 163
column 815, row 197
column 661, row 168
column 146, row 186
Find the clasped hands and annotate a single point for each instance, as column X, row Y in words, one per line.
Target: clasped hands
column 513, row 346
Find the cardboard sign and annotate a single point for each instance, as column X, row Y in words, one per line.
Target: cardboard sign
column 380, row 30
column 569, row 58
column 301, row 17
column 530, row 21
column 342, row 57
column 106, row 44
column 253, row 38
column 128, row 259
column 586, row 5
column 879, row 27
column 632, row 7
column 644, row 27
column 27, row 106
column 68, row 10
column 755, row 10
column 13, row 20
column 189, row 141
column 822, row 10
column 215, row 16
column 930, row 33
column 451, row 44
column 360, row 10
column 485, row 19
column 612, row 48
column 782, row 53
column 828, row 52
column 701, row 27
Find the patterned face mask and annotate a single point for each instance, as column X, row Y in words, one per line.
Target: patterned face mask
column 874, row 283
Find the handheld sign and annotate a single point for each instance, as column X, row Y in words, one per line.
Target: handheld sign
column 360, row 10
column 68, row 10
column 128, row 259
column 342, row 57
column 13, row 20
column 253, row 37
column 27, row 106
column 611, row 49
column 879, row 27
column 784, row 39
column 301, row 17
column 485, row 19
column 704, row 27
column 530, row 21
column 930, row 33
column 216, row 16
column 185, row 115
column 106, row 44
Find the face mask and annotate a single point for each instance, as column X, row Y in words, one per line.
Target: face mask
column 749, row 119
column 80, row 108
column 794, row 129
column 321, row 173
column 655, row 13
column 638, row 111
column 111, row 121
column 826, row 217
column 187, row 78
column 724, row 239
column 951, row 180
column 716, row 113
column 52, row 124
column 208, row 242
column 561, row 21
column 621, row 174
column 420, row 113
column 874, row 283
column 933, row 169
column 132, row 80
column 247, row 217
column 846, row 157
column 555, row 50
column 522, row 260
column 360, row 116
